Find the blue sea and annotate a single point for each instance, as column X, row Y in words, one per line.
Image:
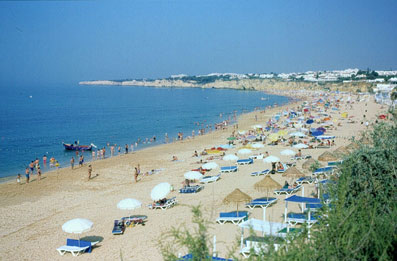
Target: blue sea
column 34, row 121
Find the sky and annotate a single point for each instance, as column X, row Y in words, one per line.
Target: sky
column 53, row 42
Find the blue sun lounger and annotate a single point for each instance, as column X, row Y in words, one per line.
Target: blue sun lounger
column 234, row 217
column 261, row 202
column 325, row 171
column 301, row 218
column 306, row 179
column 245, row 161
column 76, row 247
column 189, row 257
column 191, row 189
column 287, row 191
column 258, row 173
column 229, row 169
column 335, row 163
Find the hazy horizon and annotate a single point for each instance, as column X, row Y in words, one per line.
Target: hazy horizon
column 54, row 42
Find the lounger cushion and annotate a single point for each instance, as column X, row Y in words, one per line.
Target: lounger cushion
column 79, row 243
column 233, row 214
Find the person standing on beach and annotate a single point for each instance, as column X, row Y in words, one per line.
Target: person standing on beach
column 38, row 174
column 119, row 149
column 93, row 155
column 81, row 160
column 89, row 172
column 72, row 162
column 126, row 148
column 19, row 179
column 27, row 175
column 136, row 174
column 31, row 166
column 44, row 160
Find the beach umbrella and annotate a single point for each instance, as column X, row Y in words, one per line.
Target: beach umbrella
column 273, row 137
column 242, row 132
column 266, row 184
column 193, row 175
column 317, row 133
column 244, row 151
column 282, row 133
column 77, row 226
column 210, row 165
column 300, row 146
column 257, row 145
column 287, row 152
column 341, row 151
column 293, row 172
column 257, row 126
column 298, row 134
column 230, row 157
column 308, row 163
column 327, row 156
column 271, row 159
column 160, row 191
column 231, row 138
column 237, row 197
column 321, row 129
column 129, row 204
column 251, row 137
column 310, row 121
column 344, row 115
column 352, row 146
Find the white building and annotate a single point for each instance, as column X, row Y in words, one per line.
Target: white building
column 383, row 92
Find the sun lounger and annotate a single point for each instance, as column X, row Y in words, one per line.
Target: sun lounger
column 234, row 217
column 191, row 189
column 134, row 220
column 229, row 169
column 245, row 161
column 256, row 157
column 335, row 163
column 285, row 167
column 118, row 227
column 306, row 179
column 323, row 171
column 301, row 218
column 76, row 247
column 287, row 191
column 257, row 244
column 258, row 173
column 292, row 230
column 168, row 204
column 261, row 202
column 209, row 179
column 301, row 157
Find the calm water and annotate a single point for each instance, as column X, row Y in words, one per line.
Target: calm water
column 33, row 126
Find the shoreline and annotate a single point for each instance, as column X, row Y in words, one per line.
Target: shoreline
column 88, row 159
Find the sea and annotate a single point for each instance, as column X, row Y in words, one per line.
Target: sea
column 35, row 120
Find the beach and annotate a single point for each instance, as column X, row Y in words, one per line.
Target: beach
column 32, row 214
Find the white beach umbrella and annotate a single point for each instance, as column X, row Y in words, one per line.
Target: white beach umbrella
column 244, row 151
column 298, row 134
column 230, row 157
column 210, row 165
column 242, row 132
column 287, row 152
column 270, row 159
column 193, row 175
column 300, row 146
column 77, row 226
column 257, row 126
column 129, row 204
column 257, row 145
column 160, row 191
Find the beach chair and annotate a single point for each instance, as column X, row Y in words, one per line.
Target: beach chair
column 306, row 179
column 261, row 202
column 209, row 179
column 168, row 204
column 118, row 227
column 257, row 245
column 245, row 161
column 301, row 157
column 335, row 163
column 234, row 217
column 256, row 157
column 229, row 169
column 301, row 218
column 287, row 191
column 134, row 220
column 76, row 247
column 191, row 189
column 285, row 167
column 323, row 171
column 258, row 173
column 288, row 231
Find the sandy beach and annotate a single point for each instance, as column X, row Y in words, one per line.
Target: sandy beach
column 32, row 214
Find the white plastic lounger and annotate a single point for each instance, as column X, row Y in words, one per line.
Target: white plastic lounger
column 75, row 250
column 245, row 161
column 261, row 202
column 168, row 204
column 209, row 179
column 301, row 218
column 287, row 191
column 234, row 217
column 306, row 179
column 229, row 169
column 258, row 173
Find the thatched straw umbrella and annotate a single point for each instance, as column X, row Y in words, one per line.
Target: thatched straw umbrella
column 237, row 196
column 352, row 146
column 341, row 151
column 266, row 184
column 293, row 172
column 327, row 156
column 308, row 163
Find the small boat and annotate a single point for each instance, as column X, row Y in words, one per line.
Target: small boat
column 76, row 146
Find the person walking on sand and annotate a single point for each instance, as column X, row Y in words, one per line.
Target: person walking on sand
column 119, row 149
column 27, row 175
column 81, row 160
column 89, row 171
column 19, row 179
column 38, row 174
column 72, row 162
column 93, row 155
column 136, row 174
column 126, row 148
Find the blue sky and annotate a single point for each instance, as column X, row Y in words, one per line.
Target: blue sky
column 51, row 42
